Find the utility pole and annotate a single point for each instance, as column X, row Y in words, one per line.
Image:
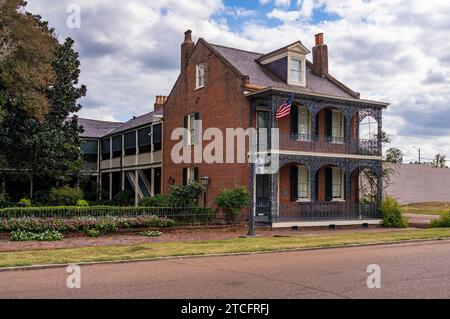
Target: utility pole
column 419, row 155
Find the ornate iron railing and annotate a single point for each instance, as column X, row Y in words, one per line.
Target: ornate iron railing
column 313, row 143
column 330, row 211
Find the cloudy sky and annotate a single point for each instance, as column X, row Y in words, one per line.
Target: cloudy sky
column 396, row 51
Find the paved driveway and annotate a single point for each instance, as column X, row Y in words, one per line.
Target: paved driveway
column 414, row 270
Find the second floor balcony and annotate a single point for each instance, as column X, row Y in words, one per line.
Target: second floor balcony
column 321, row 126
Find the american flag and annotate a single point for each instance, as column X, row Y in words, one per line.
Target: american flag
column 285, row 108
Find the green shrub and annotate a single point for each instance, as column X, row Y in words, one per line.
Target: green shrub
column 150, row 233
column 65, row 196
column 186, row 195
column 124, row 198
column 47, row 235
column 443, row 221
column 392, row 215
column 91, row 232
column 24, row 202
column 232, row 201
column 103, row 225
column 156, row 201
column 82, row 203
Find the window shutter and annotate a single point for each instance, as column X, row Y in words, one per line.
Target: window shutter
column 294, row 121
column 345, row 187
column 185, row 137
column 294, row 183
column 345, row 124
column 328, row 123
column 328, row 183
column 185, row 175
column 197, row 128
column 196, row 174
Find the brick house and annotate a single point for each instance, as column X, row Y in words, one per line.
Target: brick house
column 320, row 151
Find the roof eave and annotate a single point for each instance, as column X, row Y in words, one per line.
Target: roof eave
column 321, row 95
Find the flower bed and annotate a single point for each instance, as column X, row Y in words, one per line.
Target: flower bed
column 107, row 224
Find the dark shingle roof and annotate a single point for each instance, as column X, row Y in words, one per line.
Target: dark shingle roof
column 245, row 63
column 137, row 122
column 99, row 129
column 96, row 129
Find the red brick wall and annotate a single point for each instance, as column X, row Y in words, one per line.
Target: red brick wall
column 221, row 104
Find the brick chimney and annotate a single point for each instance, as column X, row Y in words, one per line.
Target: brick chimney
column 186, row 49
column 320, row 57
column 159, row 102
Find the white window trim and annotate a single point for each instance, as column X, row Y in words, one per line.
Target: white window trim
column 191, row 130
column 304, row 199
column 342, row 198
column 190, row 176
column 197, row 77
column 309, row 124
column 302, row 60
column 334, row 138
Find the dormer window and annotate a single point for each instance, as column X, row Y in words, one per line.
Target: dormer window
column 288, row 63
column 296, row 71
column 200, row 76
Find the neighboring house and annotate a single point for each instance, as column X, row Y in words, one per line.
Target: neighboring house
column 125, row 156
column 320, row 150
column 418, row 183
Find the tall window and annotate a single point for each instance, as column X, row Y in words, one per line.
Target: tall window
column 130, row 143
column 106, row 149
column 117, row 146
column 200, row 78
column 337, row 127
column 157, row 137
column 304, row 124
column 338, row 183
column 295, row 70
column 190, row 126
column 145, row 140
column 303, row 183
column 190, row 174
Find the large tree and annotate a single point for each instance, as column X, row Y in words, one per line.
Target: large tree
column 38, row 91
column 439, row 161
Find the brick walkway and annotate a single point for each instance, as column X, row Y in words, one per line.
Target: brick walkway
column 169, row 235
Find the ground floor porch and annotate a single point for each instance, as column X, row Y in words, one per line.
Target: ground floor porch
column 308, row 190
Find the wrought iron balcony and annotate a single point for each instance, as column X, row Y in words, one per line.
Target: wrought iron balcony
column 317, row 143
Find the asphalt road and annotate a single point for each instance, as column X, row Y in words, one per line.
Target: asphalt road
column 414, row 270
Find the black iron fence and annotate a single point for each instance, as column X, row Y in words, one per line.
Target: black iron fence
column 181, row 215
column 330, row 211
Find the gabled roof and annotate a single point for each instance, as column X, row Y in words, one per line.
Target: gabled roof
column 246, row 63
column 96, row 129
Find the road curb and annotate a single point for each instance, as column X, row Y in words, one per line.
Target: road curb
column 93, row 263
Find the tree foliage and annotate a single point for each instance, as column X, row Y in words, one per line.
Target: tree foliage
column 394, row 155
column 439, row 161
column 38, row 91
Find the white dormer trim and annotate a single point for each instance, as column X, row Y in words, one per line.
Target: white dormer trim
column 294, row 51
column 302, row 59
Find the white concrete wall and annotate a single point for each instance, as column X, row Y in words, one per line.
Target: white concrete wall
column 415, row 183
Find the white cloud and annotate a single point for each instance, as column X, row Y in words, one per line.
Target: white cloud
column 391, row 50
column 286, row 16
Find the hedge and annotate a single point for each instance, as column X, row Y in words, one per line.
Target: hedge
column 181, row 214
column 80, row 224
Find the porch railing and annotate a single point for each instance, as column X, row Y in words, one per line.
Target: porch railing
column 313, row 143
column 316, row 211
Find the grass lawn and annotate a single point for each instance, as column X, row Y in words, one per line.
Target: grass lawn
column 258, row 244
column 426, row 208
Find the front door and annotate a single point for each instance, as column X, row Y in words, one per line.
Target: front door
column 262, row 195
